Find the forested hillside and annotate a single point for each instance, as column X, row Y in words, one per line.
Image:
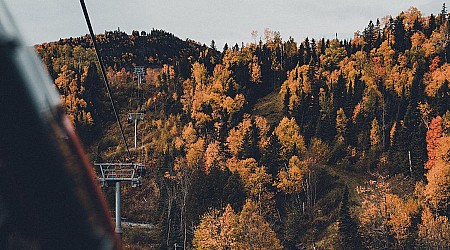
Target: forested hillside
column 333, row 144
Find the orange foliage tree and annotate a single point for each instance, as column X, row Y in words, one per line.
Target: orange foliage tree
column 433, row 135
column 228, row 230
column 292, row 142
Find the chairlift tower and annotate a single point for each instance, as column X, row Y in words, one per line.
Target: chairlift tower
column 111, row 173
column 136, row 117
column 140, row 72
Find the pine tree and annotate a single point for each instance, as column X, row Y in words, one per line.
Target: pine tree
column 415, row 137
column 339, row 93
column 234, row 191
column 286, row 99
column 314, row 50
column 399, row 35
column 307, row 51
column 428, row 30
column 443, row 14
column 370, row 36
column 271, row 155
column 225, row 48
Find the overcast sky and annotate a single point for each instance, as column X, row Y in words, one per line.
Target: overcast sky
column 230, row 21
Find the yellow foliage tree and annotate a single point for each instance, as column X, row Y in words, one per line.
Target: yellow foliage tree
column 253, row 231
column 417, row 39
column 290, row 180
column 207, row 234
column 437, row 191
column 228, row 230
column 433, row 45
column 236, row 137
column 263, row 131
column 214, row 156
column 297, row 84
column 410, row 16
column 217, row 230
column 188, row 95
column 401, row 216
column 199, row 73
column 210, row 102
column 384, row 216
column 399, row 79
column 288, row 133
column 373, row 215
column 341, row 125
column 387, row 53
column 375, row 137
column 255, row 70
column 434, row 231
column 257, row 183
column 195, row 153
column 434, row 80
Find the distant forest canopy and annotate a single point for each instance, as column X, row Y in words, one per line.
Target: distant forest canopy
column 337, row 144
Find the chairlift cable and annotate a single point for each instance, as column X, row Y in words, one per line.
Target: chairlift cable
column 102, row 68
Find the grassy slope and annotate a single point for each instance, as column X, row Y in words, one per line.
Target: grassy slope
column 269, row 107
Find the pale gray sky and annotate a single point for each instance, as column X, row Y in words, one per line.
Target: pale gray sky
column 228, row 21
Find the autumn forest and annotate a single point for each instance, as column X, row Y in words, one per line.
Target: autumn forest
column 273, row 144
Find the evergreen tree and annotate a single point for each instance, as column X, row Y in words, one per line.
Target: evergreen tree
column 213, row 45
column 225, row 48
column 307, row 51
column 400, row 38
column 339, row 93
column 234, row 191
column 370, row 36
column 443, row 14
column 431, row 26
column 286, row 100
column 271, row 155
column 416, row 135
column 443, row 98
column 314, row 50
column 417, row 26
column 301, row 54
